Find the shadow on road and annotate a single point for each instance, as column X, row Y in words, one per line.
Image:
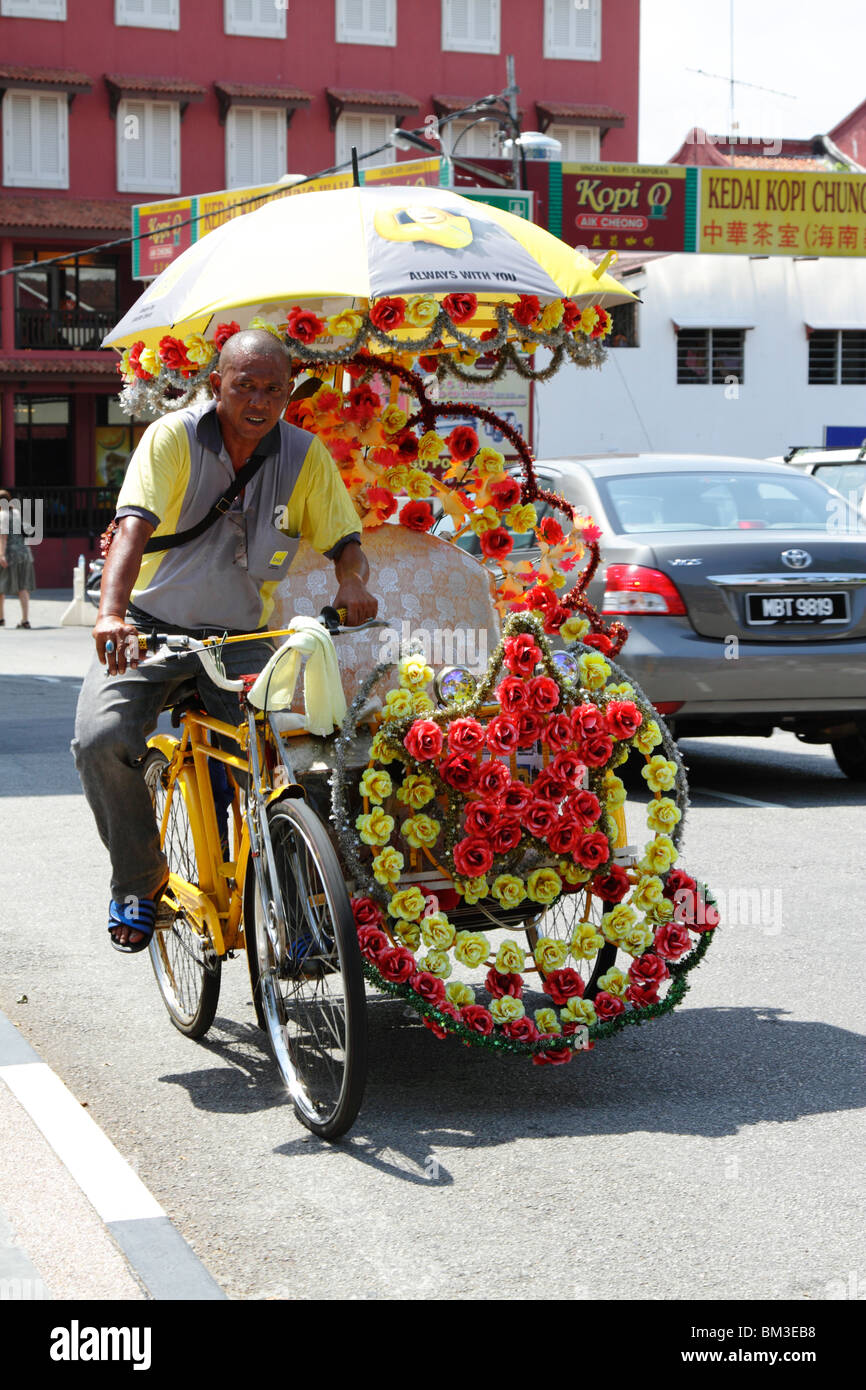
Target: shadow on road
column 805, row 776
column 706, row 1072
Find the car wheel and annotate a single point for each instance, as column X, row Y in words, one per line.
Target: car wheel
column 850, row 753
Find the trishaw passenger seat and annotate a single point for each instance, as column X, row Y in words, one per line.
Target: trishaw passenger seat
column 425, row 587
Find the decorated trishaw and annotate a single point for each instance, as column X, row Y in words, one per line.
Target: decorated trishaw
column 472, row 782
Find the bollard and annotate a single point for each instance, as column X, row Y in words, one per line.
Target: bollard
column 80, row 613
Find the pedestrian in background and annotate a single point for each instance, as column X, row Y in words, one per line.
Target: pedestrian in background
column 16, row 563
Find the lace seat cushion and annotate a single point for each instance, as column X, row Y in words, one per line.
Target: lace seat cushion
column 429, row 588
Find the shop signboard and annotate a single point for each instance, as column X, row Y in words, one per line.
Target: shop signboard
column 776, row 212
column 626, row 207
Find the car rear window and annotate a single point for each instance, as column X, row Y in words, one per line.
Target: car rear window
column 847, row 478
column 662, row 502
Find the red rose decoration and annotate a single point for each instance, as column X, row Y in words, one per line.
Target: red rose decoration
column 559, row 733
column 397, row 965
column 570, row 315
column 224, row 331
column 551, row 531
column 460, row 308
column 423, row 741
column 612, row 886
column 304, row 325
column 430, row 987
column 597, row 750
column 522, row 654
column 549, row 787
column 530, row 727
column 460, row 771
column 481, row 817
column 598, row 640
column 677, row 879
column 584, row 806
column 516, row 798
column 521, row 1029
column 526, row 310
column 539, row 818
column 506, row 836
column 438, row 1029
column 555, row 617
column 381, row 501
column 173, row 354
column 543, row 694
column 593, row 850
column 500, row 985
column 493, row 778
column 496, row 543
column 569, row 768
column 706, row 918
column 473, row 857
column 388, row 313
column 479, row 1019
column 586, row 720
column 512, row 695
column 671, row 941
column 564, row 836
column 641, row 995
column 503, row 734
column 623, row 718
column 607, row 1005
column 362, row 405
column 366, row 912
column 563, row 985
column 417, row 516
column 648, row 969
column 601, row 322
column 465, row 736
column 462, row 443
column 373, row 942
column 552, row 1057
column 504, row 493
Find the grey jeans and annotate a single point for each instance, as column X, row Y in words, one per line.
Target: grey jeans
column 115, row 716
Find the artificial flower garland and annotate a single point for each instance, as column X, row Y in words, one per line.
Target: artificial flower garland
column 456, row 800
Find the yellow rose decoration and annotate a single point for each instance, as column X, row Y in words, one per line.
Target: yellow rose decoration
column 473, row 889
column 408, row 934
column 520, row 518
column 198, row 349
column 414, row 672
column 594, row 670
column 383, row 751
column 416, row 790
column 259, row 322
column 398, row 702
column 579, row 1011
column 546, row 1021
column 486, row 519
column 574, row 629
column 623, row 691
column 393, row 419
column 648, row 893
column 388, row 866
column 396, row 478
column 408, row 904
column 586, row 941
column 459, row 994
column 375, row 784
column 550, row 954
column 508, row 890
column 573, row 873
column 148, row 361
column 489, row 463
column 376, row 827
column 436, row 962
column 421, row 310
column 551, row 316
column 422, row 832
column 648, row 737
column 616, row 923
column 614, row 982
column 663, row 815
column 471, row 948
column 614, row 789
column 510, row 958
column 430, row 446
column 418, row 485
column 659, row 854
column 638, row 939
column 507, row 1009
column 421, row 702
column 437, row 932
column 660, row 773
column 588, row 319
column 543, row 886
column 345, row 325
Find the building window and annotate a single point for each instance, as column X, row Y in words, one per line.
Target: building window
column 255, row 19
column 35, row 140
column 837, row 357
column 255, row 145
column 470, row 26
column 43, row 442
column 367, row 21
column 580, row 143
column 365, row 133
column 33, row 9
column 148, row 147
column 623, row 326
column 147, row 14
column 70, row 304
column 710, row 356
column 572, row 30
column 471, row 140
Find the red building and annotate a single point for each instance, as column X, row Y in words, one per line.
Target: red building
column 106, row 103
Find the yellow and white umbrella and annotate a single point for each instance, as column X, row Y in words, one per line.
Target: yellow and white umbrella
column 346, row 249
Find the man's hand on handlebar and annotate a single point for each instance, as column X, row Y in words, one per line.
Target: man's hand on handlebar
column 116, row 643
column 352, row 573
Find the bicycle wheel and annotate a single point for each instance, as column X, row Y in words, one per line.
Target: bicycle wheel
column 186, row 966
column 305, row 970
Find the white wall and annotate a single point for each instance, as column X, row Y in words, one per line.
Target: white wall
column 634, row 404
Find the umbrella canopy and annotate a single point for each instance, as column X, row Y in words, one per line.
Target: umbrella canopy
column 341, row 250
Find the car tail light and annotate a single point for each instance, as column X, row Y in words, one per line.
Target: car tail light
column 637, row 589
column 668, row 706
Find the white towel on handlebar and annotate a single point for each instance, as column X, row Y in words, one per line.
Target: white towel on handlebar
column 324, row 701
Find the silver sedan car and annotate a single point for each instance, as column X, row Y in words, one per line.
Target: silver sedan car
column 743, row 584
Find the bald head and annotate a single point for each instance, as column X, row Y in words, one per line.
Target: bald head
column 241, row 348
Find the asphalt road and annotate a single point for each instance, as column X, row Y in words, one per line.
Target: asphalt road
column 716, row 1153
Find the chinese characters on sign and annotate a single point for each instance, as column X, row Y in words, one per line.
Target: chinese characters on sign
column 777, row 213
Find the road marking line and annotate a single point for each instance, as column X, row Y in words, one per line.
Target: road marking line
column 740, row 800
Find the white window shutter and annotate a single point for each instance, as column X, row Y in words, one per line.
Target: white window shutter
column 367, row 21
column 470, row 26
column 51, row 139
column 241, row 147
column 33, row 9
column 572, row 31
column 162, row 145
column 20, row 139
column 271, row 162
column 35, row 140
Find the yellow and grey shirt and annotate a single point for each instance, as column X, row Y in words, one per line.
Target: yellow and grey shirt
column 227, row 576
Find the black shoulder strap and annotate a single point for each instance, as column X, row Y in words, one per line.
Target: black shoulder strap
column 219, row 508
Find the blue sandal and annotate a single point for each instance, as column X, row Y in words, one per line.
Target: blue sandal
column 139, row 916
